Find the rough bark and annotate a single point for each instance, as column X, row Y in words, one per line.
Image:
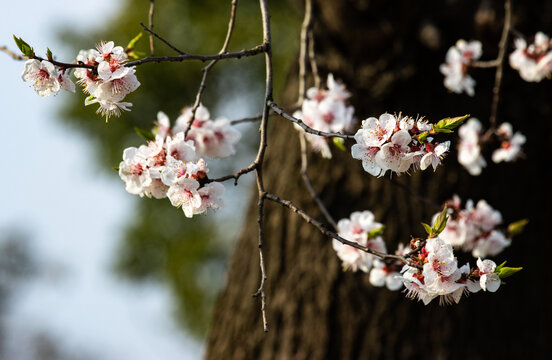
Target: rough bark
column 386, row 53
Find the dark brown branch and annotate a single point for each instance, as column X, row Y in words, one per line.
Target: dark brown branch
column 211, row 64
column 331, row 234
column 162, row 39
column 150, row 24
column 185, row 56
column 308, row 183
column 247, row 119
column 235, row 175
column 278, row 110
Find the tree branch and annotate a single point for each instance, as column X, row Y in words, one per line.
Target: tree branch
column 150, row 24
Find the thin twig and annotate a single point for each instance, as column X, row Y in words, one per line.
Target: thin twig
column 278, row 110
column 162, row 39
column 312, row 59
column 499, row 69
column 329, row 233
column 484, row 64
column 308, row 183
column 307, row 21
column 236, row 175
column 247, row 119
column 150, row 24
column 12, row 54
column 211, row 64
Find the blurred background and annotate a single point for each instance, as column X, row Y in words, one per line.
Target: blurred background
column 88, row 271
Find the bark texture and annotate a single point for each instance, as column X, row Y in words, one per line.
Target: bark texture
column 388, row 53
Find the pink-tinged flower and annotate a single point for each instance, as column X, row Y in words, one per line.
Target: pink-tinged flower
column 381, row 275
column 163, row 124
column 367, row 154
column 455, row 68
column 133, row 170
column 490, row 244
column 210, row 197
column 184, row 194
column 396, row 155
column 489, row 280
column 356, row 229
column 375, row 132
column 469, row 151
column 44, row 75
column 434, row 154
column 511, row 145
column 533, row 61
column 180, row 149
column 201, row 117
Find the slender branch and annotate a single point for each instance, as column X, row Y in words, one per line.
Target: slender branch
column 247, row 119
column 236, row 175
column 162, row 39
column 185, row 56
column 12, row 54
column 499, row 69
column 211, row 64
column 329, row 233
column 308, row 183
column 485, row 64
column 68, row 65
column 150, row 24
column 278, row 110
column 307, row 21
column 312, row 59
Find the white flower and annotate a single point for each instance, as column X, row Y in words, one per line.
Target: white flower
column 380, row 275
column 44, row 75
column 491, row 244
column 434, row 155
column 469, row 151
column 376, row 132
column 133, row 170
column 210, row 197
column 455, row 68
column 489, row 280
column 510, row 148
column 184, row 193
column 533, row 61
column 395, row 155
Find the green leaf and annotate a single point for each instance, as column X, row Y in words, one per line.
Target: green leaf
column 500, row 267
column 25, row 48
column 517, row 227
column 148, row 135
column 133, row 42
column 446, row 125
column 428, row 229
column 116, row 168
column 376, row 232
column 505, row 272
column 339, row 143
column 49, row 53
column 422, row 137
column 135, row 55
column 440, row 222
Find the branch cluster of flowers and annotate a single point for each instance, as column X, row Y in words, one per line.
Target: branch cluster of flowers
column 110, row 81
column 101, row 72
column 455, row 68
column 171, row 165
column 533, row 60
column 432, row 270
column 471, row 141
column 397, row 143
column 474, row 229
column 326, row 110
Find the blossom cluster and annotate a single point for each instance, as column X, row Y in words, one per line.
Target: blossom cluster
column 393, row 143
column 474, row 228
column 172, row 165
column 326, row 110
column 211, row 138
column 438, row 274
column 534, row 60
column 110, row 81
column 456, row 64
column 47, row 79
column 469, row 146
column 362, row 229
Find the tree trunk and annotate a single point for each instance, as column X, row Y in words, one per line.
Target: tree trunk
column 388, row 53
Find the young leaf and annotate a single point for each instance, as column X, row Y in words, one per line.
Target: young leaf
column 116, row 168
column 144, row 133
column 504, row 271
column 422, row 137
column 446, row 125
column 338, row 142
column 517, row 227
column 49, row 53
column 500, row 267
column 133, row 42
column 440, row 222
column 25, row 48
column 428, row 229
column 376, row 232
